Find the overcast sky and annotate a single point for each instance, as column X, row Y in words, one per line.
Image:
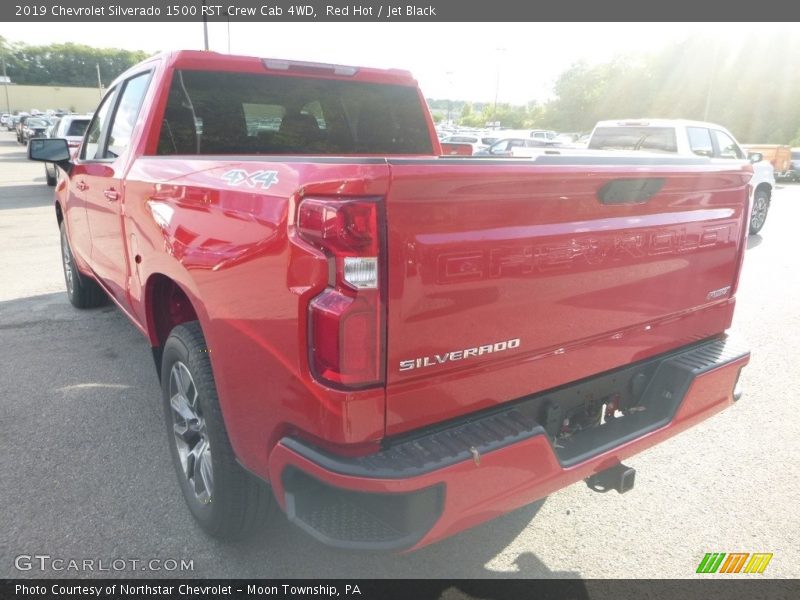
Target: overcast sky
column 450, row 60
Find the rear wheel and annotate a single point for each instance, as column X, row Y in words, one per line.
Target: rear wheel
column 82, row 291
column 227, row 501
column 760, row 208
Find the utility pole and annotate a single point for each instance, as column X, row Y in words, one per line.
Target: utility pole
column 497, row 83
column 711, row 81
column 449, row 75
column 99, row 83
column 5, row 84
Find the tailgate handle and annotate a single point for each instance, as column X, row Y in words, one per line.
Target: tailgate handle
column 630, row 191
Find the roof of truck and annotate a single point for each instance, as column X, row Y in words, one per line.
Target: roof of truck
column 215, row 61
column 646, row 122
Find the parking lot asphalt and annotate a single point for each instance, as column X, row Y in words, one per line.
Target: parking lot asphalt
column 86, row 473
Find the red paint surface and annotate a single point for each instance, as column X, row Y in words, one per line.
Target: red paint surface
column 517, row 475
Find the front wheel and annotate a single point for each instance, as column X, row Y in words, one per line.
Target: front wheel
column 760, row 208
column 82, row 291
column 227, row 501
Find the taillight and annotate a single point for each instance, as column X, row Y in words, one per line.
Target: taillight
column 346, row 319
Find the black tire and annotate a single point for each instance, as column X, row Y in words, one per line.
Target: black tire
column 51, row 180
column 760, row 208
column 237, row 503
column 82, row 291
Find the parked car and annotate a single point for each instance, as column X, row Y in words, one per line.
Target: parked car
column 545, row 135
column 796, row 160
column 568, row 137
column 390, row 346
column 35, row 127
column 689, row 138
column 478, row 141
column 456, row 149
column 71, row 128
column 19, row 127
column 505, row 147
column 11, row 124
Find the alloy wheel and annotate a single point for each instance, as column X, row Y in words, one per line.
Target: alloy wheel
column 190, row 433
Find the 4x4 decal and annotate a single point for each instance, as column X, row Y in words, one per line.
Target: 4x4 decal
column 263, row 179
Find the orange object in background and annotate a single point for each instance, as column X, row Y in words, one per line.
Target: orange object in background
column 779, row 155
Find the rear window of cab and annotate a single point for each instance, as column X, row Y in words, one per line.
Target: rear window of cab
column 646, row 139
column 211, row 113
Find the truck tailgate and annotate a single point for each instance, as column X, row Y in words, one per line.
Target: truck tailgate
column 509, row 278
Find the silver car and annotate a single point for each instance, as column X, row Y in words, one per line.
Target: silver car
column 71, row 127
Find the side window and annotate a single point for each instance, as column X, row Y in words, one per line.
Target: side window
column 97, row 127
column 126, row 114
column 727, row 147
column 502, row 146
column 315, row 110
column 700, row 141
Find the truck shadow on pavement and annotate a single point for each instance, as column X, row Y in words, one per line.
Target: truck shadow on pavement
column 464, row 556
column 101, row 482
column 12, row 150
column 754, row 241
column 27, row 196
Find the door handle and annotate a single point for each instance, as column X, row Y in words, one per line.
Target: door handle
column 81, row 186
column 111, row 194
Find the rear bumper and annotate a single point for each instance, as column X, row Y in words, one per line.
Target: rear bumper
column 422, row 488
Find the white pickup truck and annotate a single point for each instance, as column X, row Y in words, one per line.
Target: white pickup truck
column 688, row 138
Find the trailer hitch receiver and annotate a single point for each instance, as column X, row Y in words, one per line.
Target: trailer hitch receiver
column 619, row 477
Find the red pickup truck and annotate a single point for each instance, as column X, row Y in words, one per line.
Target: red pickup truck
column 390, row 344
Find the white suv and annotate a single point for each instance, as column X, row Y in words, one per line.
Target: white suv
column 689, row 138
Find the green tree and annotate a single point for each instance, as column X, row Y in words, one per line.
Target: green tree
column 67, row 64
column 749, row 86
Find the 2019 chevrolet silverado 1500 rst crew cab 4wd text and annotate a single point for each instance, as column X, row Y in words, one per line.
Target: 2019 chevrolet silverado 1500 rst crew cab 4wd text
column 402, row 345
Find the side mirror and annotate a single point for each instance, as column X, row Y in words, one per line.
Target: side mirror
column 54, row 150
column 755, row 157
